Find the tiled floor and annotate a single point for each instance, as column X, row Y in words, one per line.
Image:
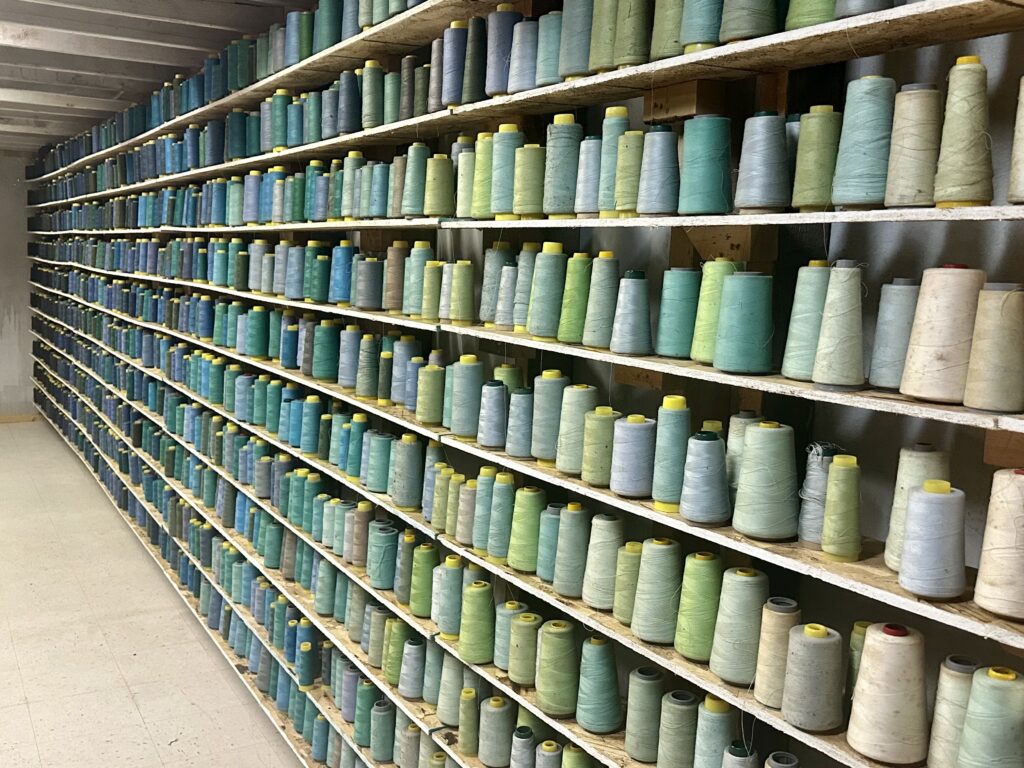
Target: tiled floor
column 101, row 664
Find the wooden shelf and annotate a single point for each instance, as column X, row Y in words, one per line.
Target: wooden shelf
column 913, row 25
column 319, row 226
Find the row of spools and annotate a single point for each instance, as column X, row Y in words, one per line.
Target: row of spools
column 693, row 734
column 473, row 60
column 793, row 666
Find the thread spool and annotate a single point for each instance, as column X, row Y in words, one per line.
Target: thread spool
column 657, row 591
column 747, row 19
column 840, row 531
column 717, row 727
column 493, row 415
column 601, row 554
column 522, row 651
column 519, row 436
column 557, row 669
column 767, row 503
column 705, row 185
column 523, row 748
column 598, row 709
column 500, row 48
column 574, row 529
column 547, row 402
column 807, row 13
column 992, row 726
column 575, row 299
column 627, row 172
column 602, row 297
column 889, row 716
column 812, row 698
column 549, row 43
column 817, row 152
column 523, row 543
column 705, row 328
column 546, row 292
column 673, row 429
column 561, row 166
column 951, row 698
column 643, row 713
column 846, row 9
column 497, row 722
column 588, row 178
column 680, row 290
column 839, row 358
column 701, row 24
column 1015, row 192
column 916, row 464
column 940, row 340
column 964, row 173
column 631, row 328
column 738, row 625
column 522, row 70
column 778, row 616
column 577, row 401
column 476, row 638
column 995, row 373
column 704, row 496
column 658, row 191
column 863, row 159
column 782, row 760
column 744, row 333
column 698, row 605
column 668, row 17
column 633, row 444
column 805, row 321
column 896, row 307
column 764, row 184
column 996, row 590
column 914, row 152
column 812, row 494
column 932, row 562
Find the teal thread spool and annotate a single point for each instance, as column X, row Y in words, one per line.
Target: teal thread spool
column 743, row 341
column 767, row 498
column 862, row 164
column 633, row 32
column 354, row 161
column 546, row 293
column 701, row 25
column 670, row 453
column 601, row 301
column 366, row 696
column 574, row 48
column 747, row 19
column 379, row 463
column 547, row 546
column 680, row 290
column 615, row 124
column 549, row 42
column 414, row 187
column 406, row 486
column 392, row 96
column 279, row 118
column 738, row 625
column 598, row 436
column 658, row 591
column 643, row 713
column 627, row 172
column 698, row 606
column 577, row 401
column 631, row 328
column 480, row 205
column 528, row 185
column 547, row 405
column 705, row 186
column 668, row 19
column 658, row 191
column 705, row 328
column 525, row 532
column 598, row 709
column 764, row 184
column 505, row 143
column 602, row 35
column 373, row 94
column 572, row 317
column 562, row 166
column 805, row 320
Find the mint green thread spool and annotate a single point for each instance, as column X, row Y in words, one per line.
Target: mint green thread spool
column 627, row 569
column 862, row 163
column 705, row 328
column 439, row 195
column 528, row 183
column 680, row 291
column 805, row 320
column 767, row 502
column 840, row 533
column 480, row 207
column 547, row 547
column 430, row 395
column 458, row 480
column 738, row 625
column 743, row 342
column 599, row 572
column 549, row 42
column 522, row 651
column 807, row 13
column 992, row 723
column 598, row 709
column 525, row 532
column 615, row 124
column 524, row 285
column 476, row 638
column 557, row 669
column 577, row 401
column 510, row 375
column 548, row 389
column 598, row 438
column 657, row 591
column 482, row 508
column 414, row 188
column 439, row 509
column 366, row 696
column 546, row 293
column 816, row 156
column 668, row 17
column 705, row 185
column 572, row 317
column 412, row 292
column 698, row 606
column 464, row 173
column 506, row 141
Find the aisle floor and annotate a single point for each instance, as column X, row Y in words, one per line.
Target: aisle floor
column 101, row 664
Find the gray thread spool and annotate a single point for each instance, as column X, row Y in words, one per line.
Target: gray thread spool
column 658, row 192
column 495, row 259
column 410, row 683
column 705, row 493
column 548, row 390
column 763, row 184
column 410, row 736
column 370, row 285
column 738, row 755
column 779, row 615
column 493, row 415
column 847, row 8
column 548, row 754
column 505, row 308
column 633, row 457
column 574, row 529
column 717, row 727
column 497, row 723
column 602, row 301
column 349, row 683
column 501, row 26
column 602, row 552
column 896, row 308
column 588, row 176
column 448, row 693
column 812, row 698
column 432, row 672
column 524, row 285
column 782, row 760
column 444, row 307
column 522, row 754
column 436, row 75
column 522, row 72
column 678, row 730
column 643, row 713
column 504, row 613
column 812, row 494
column 932, row 561
column 631, row 328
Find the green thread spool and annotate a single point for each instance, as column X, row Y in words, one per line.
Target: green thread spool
column 992, row 732
column 522, row 649
column 397, row 638
column 747, row 19
column 482, row 169
column 469, row 723
column 677, row 734
column 392, row 97
column 476, row 638
column 366, row 696
column 448, row 692
column 598, row 438
column 561, row 167
column 382, row 731
column 964, row 174
column 424, row 559
column 840, row 532
column 698, row 606
column 577, row 401
column 805, row 320
column 431, row 303
column 807, row 13
column 705, row 328
column 442, row 484
column 439, row 196
column 353, row 162
column 602, row 36
column 668, row 17
column 575, row 299
column 557, row 669
column 482, row 508
column 461, row 308
column 546, row 292
column 279, row 118
column 452, row 508
column 528, row 183
column 475, row 68
column 862, row 163
column 628, row 159
column 510, row 375
column 627, row 570
column 767, row 502
column 506, row 142
column 743, row 342
column 522, row 550
column 372, row 95
column 632, row 32
column 598, row 709
column 643, row 713
column 705, row 185
column 816, row 156
column 738, row 625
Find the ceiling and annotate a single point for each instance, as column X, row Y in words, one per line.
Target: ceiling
column 68, row 64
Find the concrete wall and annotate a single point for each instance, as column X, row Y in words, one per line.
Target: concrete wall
column 15, row 342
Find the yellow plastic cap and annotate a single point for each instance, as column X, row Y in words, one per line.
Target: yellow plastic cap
column 711, row 425
column 634, row 547
column 387, row 355
column 815, row 630
column 447, row 472
column 968, row 60
column 467, row 359
column 508, row 128
column 408, row 438
column 705, row 556
column 551, row 373
column 714, row 704
column 549, row 746
column 604, row 410
column 313, row 399
column 819, row 109
column 606, row 254
column 371, row 63
column 484, row 135
column 935, row 486
column 616, row 112
column 306, row 647
column 746, row 572
column 673, row 403
column 360, row 417
column 636, row 418
column 861, row 627
column 453, row 561
column 352, row 328
column 471, row 484
column 488, row 471
column 364, row 506
column 582, row 255
column 367, row 337
column 282, row 92
column 459, row 24
column 1002, row 673
column 400, row 244
column 345, row 243
column 844, row 460
column 769, row 425
column 565, row 119
column 355, row 153
column 505, row 478
column 440, row 157
column 574, row 506
column 468, row 693
column 416, row 244
column 552, row 247
column 817, row 263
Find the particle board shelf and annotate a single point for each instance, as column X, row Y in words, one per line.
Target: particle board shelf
column 403, row 33
column 869, row 577
column 880, row 401
column 913, row 25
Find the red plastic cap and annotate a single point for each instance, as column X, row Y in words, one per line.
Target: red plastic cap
column 955, row 266
column 895, row 630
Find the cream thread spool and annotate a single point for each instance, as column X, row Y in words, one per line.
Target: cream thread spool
column 812, row 698
column 896, row 307
column 840, row 530
column 951, row 697
column 914, row 148
column 889, row 716
column 917, row 463
column 940, row 340
column 1015, row 193
column 839, row 359
column 932, row 566
column 779, row 615
column 999, row 588
column 995, row 373
column 602, row 553
column 993, row 733
column 964, row 173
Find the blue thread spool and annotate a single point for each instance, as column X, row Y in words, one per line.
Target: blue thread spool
column 500, row 30
column 631, row 329
column 658, row 192
column 522, row 73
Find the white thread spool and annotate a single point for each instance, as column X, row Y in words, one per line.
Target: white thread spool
column 738, row 424
column 951, row 697
column 889, row 716
column 933, row 542
column 995, row 374
column 812, row 698
column 914, row 148
column 918, row 463
column 839, row 360
column 779, row 615
column 896, row 307
column 999, row 587
column 940, row 340
column 602, row 553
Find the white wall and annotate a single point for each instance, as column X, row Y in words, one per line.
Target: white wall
column 15, row 342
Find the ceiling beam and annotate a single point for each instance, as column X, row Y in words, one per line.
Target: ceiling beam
column 75, row 122
column 17, row 96
column 97, row 89
column 30, row 130
column 211, row 14
column 41, row 38
column 88, row 68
